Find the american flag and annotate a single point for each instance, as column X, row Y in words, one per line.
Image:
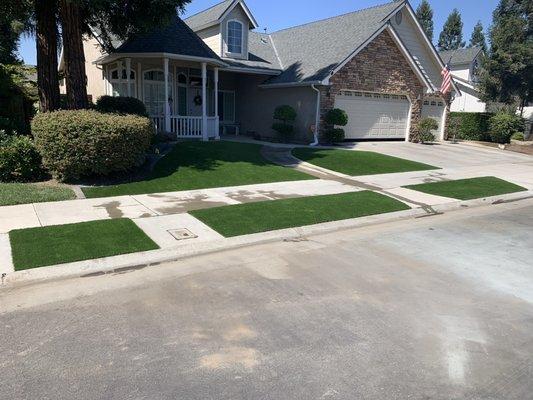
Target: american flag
column 446, row 80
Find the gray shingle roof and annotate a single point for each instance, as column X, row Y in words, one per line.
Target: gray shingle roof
column 261, row 54
column 310, row 52
column 208, row 16
column 461, row 56
column 176, row 38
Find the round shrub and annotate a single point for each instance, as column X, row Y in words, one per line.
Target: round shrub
column 80, row 143
column 121, row 105
column 469, row 126
column 19, row 160
column 284, row 130
column 334, row 135
column 285, row 114
column 337, row 117
column 504, row 125
column 518, row 136
column 426, row 126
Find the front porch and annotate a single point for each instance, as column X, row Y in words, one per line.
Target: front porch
column 181, row 96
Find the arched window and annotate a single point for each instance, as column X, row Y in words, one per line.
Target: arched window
column 235, row 31
column 154, row 91
column 119, row 84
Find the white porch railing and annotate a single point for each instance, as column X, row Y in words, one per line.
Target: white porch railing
column 188, row 127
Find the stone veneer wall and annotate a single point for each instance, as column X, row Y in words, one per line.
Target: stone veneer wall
column 380, row 67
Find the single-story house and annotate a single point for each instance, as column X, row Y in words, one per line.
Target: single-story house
column 464, row 66
column 212, row 72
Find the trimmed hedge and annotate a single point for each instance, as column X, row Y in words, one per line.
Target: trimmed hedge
column 121, row 105
column 81, row 143
column 334, row 135
column 469, row 126
column 19, row 160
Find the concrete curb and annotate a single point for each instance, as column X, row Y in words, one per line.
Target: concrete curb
column 128, row 262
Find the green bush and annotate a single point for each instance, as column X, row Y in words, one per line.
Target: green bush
column 337, row 117
column 518, row 136
column 504, row 125
column 121, row 105
column 426, row 126
column 19, row 159
column 82, row 143
column 285, row 117
column 469, row 126
column 334, row 135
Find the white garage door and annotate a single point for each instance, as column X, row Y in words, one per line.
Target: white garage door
column 434, row 109
column 374, row 115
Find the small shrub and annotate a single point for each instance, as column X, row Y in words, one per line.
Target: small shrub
column 80, row 143
column 426, row 126
column 337, row 117
column 504, row 125
column 469, row 126
column 334, row 135
column 285, row 117
column 121, row 105
column 19, row 160
column 518, row 136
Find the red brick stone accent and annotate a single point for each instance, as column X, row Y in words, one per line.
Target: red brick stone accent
column 380, row 67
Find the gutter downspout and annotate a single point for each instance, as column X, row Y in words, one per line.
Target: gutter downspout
column 317, row 117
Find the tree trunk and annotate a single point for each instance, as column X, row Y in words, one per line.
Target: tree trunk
column 47, row 74
column 73, row 54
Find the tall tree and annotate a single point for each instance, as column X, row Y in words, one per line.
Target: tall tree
column 506, row 73
column 72, row 26
column 478, row 37
column 451, row 37
column 47, row 75
column 424, row 14
column 14, row 18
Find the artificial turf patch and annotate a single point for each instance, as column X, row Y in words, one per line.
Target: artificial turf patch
column 50, row 245
column 467, row 189
column 242, row 219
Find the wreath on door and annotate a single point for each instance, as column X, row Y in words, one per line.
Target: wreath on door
column 198, row 100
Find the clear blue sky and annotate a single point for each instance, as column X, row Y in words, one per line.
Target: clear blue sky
column 296, row 12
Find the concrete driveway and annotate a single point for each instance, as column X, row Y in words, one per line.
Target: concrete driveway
column 437, row 308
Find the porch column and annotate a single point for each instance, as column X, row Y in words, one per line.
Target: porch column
column 166, row 110
column 139, row 81
column 217, row 129
column 106, row 79
column 120, row 67
column 128, row 75
column 205, row 135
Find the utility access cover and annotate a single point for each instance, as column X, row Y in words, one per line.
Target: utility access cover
column 182, row 234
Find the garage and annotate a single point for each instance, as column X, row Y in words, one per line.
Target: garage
column 434, row 108
column 374, row 115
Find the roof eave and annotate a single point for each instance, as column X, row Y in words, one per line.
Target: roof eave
column 289, row 84
column 116, row 56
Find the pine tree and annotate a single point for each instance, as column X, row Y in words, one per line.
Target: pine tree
column 451, row 37
column 424, row 14
column 506, row 73
column 478, row 37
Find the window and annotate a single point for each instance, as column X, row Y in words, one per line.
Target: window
column 119, row 85
column 235, row 37
column 226, row 106
column 154, row 91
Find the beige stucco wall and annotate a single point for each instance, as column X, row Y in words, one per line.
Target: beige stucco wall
column 255, row 107
column 212, row 37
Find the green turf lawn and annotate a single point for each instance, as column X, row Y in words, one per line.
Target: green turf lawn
column 357, row 163
column 39, row 247
column 201, row 165
column 24, row 193
column 243, row 219
column 467, row 189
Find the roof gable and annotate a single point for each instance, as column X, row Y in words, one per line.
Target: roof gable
column 217, row 13
column 310, row 52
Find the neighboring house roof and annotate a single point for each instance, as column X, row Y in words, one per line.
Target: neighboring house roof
column 176, row 38
column 262, row 54
column 310, row 52
column 215, row 14
column 460, row 56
